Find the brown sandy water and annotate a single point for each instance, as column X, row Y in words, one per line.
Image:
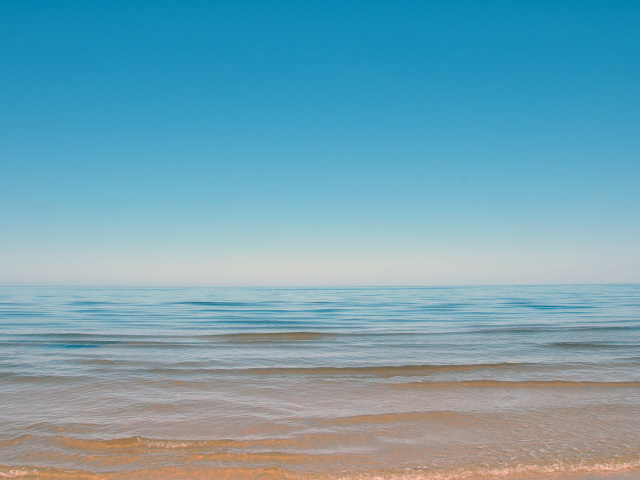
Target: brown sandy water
column 474, row 382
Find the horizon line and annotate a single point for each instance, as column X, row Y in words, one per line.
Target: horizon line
column 320, row 287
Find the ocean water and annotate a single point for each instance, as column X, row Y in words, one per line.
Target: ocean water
column 367, row 383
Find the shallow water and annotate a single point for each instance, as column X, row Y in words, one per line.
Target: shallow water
column 412, row 383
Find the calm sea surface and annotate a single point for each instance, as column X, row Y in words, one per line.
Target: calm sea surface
column 388, row 383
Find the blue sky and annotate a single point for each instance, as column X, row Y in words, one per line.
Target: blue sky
column 319, row 143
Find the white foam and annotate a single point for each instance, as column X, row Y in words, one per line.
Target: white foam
column 15, row 473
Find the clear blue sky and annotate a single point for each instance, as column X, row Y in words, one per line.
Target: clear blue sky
column 319, row 143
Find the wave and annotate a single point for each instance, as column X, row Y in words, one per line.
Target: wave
column 590, row 345
column 273, row 336
column 93, row 302
column 446, row 415
column 138, row 443
column 555, row 467
column 515, row 471
column 384, row 370
column 15, row 441
column 19, row 313
column 267, row 451
column 518, row 384
column 370, row 371
column 557, row 328
column 443, row 307
column 41, row 472
column 37, row 338
column 291, row 331
column 218, row 304
column 166, row 473
column 548, row 306
column 14, row 377
column 132, row 444
column 373, row 371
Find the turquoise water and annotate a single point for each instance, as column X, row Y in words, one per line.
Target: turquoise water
column 320, row 383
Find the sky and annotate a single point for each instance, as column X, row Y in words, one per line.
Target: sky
column 325, row 143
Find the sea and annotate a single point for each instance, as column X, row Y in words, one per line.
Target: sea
column 480, row 382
